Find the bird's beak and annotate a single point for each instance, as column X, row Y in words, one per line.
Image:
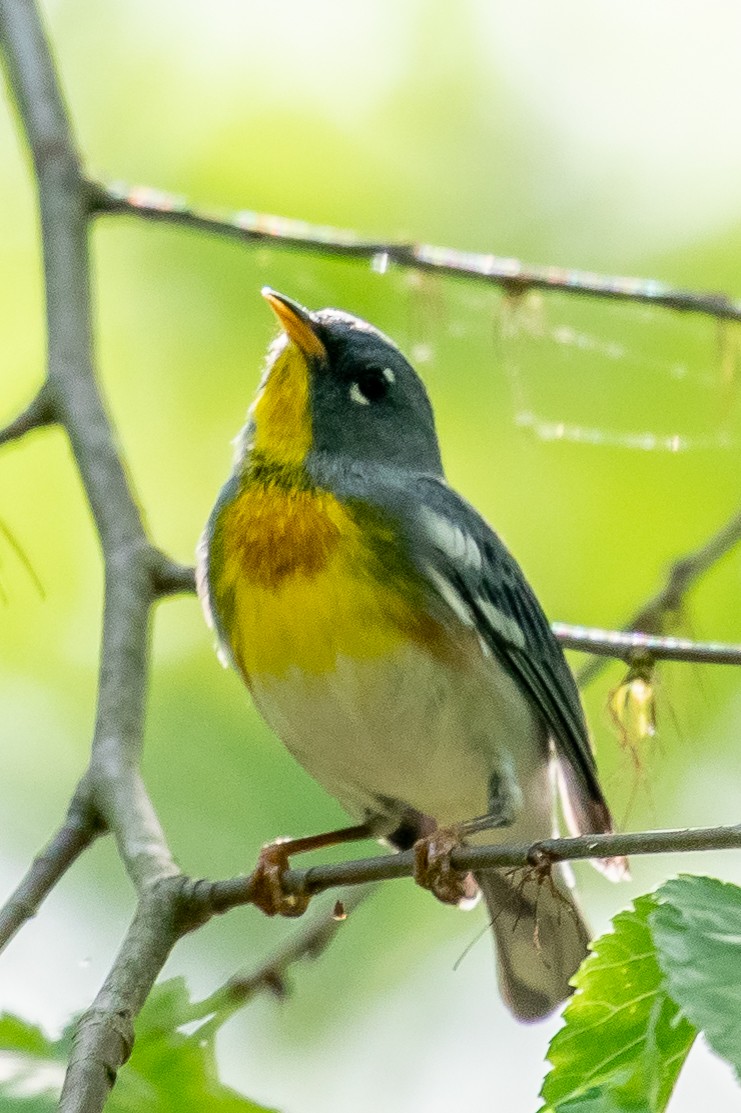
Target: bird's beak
column 297, row 322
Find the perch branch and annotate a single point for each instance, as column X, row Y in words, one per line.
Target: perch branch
column 316, row 879
column 174, row 906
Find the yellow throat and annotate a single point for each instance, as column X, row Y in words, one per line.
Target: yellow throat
column 281, row 411
column 299, row 578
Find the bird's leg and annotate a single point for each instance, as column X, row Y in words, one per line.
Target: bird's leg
column 432, row 866
column 268, row 893
column 505, row 802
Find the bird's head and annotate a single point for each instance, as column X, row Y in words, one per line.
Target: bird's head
column 337, row 387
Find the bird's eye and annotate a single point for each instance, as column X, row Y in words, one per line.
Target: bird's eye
column 371, row 385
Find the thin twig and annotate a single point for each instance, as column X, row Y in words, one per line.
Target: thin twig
column 281, row 232
column 309, row 942
column 38, row 413
column 80, row 828
column 171, row 578
column 626, row 645
column 682, row 575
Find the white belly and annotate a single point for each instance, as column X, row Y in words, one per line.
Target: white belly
column 412, row 731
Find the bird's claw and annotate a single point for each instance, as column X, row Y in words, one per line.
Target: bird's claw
column 268, row 891
column 433, row 869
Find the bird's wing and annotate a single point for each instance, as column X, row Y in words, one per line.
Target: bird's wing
column 470, row 568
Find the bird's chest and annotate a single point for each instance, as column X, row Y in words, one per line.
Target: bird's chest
column 384, row 705
column 297, row 583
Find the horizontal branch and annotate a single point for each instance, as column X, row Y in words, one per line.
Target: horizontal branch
column 509, row 274
column 240, row 890
column 176, row 905
column 308, row 942
column 628, row 644
column 624, row 645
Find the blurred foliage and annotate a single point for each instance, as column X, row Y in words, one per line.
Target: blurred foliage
column 565, row 134
column 668, row 969
column 169, row 1071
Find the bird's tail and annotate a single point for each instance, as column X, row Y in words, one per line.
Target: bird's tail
column 540, row 935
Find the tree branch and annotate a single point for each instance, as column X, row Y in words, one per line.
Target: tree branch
column 38, row 413
column 174, row 906
column 683, row 574
column 80, row 828
column 510, row 274
column 309, row 942
column 239, row 890
column 631, row 643
column 114, row 789
column 105, row 1034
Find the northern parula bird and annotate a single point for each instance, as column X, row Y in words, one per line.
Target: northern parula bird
column 391, row 641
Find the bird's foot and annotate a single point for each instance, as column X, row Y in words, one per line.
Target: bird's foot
column 433, row 869
column 268, row 891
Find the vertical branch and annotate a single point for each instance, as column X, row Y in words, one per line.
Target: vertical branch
column 71, row 394
column 105, row 1035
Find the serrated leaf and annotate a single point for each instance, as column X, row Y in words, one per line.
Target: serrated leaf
column 696, row 925
column 623, row 1041
column 169, row 1071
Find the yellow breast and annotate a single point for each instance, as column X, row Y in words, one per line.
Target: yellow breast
column 298, row 580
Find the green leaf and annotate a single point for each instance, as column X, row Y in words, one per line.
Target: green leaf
column 31, row 1067
column 624, row 1041
column 697, row 929
column 169, row 1071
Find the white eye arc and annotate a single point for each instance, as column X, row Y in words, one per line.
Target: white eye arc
column 357, row 395
column 372, row 385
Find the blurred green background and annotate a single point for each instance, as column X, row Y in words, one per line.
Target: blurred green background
column 578, row 134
